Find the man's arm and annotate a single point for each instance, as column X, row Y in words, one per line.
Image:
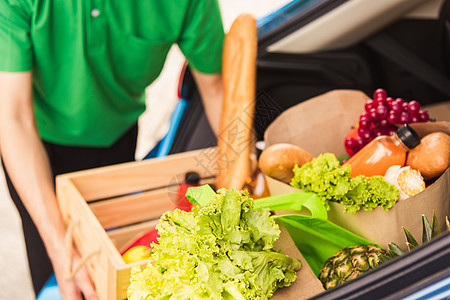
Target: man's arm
column 28, row 166
column 211, row 91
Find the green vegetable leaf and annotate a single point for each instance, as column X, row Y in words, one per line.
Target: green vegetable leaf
column 323, row 176
column 222, row 249
column 332, row 182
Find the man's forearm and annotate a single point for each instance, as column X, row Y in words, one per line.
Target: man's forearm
column 27, row 165
column 25, row 158
column 29, row 169
column 211, row 90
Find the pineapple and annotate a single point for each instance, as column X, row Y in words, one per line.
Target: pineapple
column 429, row 231
column 351, row 262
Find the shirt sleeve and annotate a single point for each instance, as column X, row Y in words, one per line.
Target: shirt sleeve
column 15, row 43
column 201, row 40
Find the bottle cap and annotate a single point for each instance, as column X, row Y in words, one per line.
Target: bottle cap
column 192, row 178
column 408, row 136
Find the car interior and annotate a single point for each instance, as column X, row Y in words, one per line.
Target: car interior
column 309, row 47
column 400, row 46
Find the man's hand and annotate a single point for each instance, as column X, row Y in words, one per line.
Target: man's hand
column 81, row 282
column 28, row 166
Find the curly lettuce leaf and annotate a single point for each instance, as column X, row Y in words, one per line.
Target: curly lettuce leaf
column 332, row 182
column 220, row 250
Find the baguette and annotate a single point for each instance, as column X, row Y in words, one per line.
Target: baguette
column 235, row 142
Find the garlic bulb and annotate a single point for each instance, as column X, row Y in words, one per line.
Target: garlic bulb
column 409, row 182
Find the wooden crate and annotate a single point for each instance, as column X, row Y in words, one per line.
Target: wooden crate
column 107, row 207
column 110, row 206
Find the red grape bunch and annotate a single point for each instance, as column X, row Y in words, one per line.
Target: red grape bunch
column 382, row 116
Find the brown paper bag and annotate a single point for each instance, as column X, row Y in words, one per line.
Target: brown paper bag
column 319, row 125
column 312, row 124
column 307, row 284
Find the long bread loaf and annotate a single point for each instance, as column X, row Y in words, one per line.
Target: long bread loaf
column 235, row 140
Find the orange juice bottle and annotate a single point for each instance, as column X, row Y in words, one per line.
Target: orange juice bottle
column 383, row 152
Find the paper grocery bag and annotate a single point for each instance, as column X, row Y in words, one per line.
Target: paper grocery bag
column 385, row 227
column 307, row 284
column 319, row 125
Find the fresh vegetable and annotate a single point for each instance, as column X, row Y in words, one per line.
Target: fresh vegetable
column 278, row 160
column 220, row 250
column 332, row 182
column 350, row 263
column 432, row 156
column 408, row 181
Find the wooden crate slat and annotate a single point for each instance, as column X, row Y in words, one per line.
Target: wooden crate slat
column 88, row 235
column 128, row 186
column 132, row 209
column 123, row 236
column 130, row 177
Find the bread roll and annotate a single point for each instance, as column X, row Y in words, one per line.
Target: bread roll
column 235, row 140
column 278, row 160
column 432, row 156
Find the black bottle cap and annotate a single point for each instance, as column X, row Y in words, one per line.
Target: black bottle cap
column 408, row 136
column 192, row 178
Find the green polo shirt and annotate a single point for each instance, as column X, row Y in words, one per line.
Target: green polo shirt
column 93, row 59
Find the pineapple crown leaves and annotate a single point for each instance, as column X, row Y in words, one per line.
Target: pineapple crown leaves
column 429, row 231
column 395, row 250
column 410, row 240
column 385, row 258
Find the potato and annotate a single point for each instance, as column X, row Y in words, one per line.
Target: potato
column 278, row 160
column 432, row 156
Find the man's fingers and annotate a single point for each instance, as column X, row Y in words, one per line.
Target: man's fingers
column 82, row 279
column 85, row 284
column 89, row 293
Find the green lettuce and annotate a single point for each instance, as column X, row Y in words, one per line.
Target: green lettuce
column 332, row 182
column 220, row 250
